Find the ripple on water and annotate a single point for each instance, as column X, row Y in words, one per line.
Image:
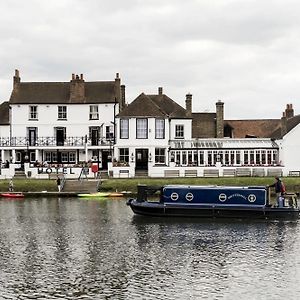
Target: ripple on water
column 74, row 249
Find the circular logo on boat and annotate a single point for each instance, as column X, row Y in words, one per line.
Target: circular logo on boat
column 222, row 197
column 174, row 196
column 189, row 196
column 251, row 198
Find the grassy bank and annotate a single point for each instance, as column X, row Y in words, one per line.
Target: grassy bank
column 36, row 185
column 292, row 183
column 29, row 185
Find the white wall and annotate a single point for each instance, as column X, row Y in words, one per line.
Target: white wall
column 77, row 122
column 151, row 141
column 289, row 150
column 187, row 123
column 4, row 131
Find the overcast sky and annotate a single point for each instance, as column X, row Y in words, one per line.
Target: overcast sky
column 243, row 52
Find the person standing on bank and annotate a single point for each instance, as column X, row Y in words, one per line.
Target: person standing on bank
column 11, row 186
column 279, row 190
column 58, row 182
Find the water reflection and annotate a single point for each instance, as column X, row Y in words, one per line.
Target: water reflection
column 87, row 249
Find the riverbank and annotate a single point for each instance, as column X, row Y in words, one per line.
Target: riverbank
column 112, row 185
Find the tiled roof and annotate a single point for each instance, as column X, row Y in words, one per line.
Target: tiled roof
column 263, row 128
column 168, row 106
column 59, row 92
column 153, row 106
column 291, row 123
column 204, row 125
column 4, row 113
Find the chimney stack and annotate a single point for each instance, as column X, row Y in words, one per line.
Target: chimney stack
column 289, row 111
column 123, row 98
column 17, row 79
column 283, row 125
column 118, row 91
column 219, row 119
column 160, row 90
column 77, row 89
column 188, row 104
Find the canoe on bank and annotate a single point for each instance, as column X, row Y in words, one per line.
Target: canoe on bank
column 100, row 195
column 12, row 195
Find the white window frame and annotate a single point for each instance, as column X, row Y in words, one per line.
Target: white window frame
column 124, row 128
column 33, row 112
column 142, row 128
column 179, row 131
column 160, row 156
column 124, row 154
column 72, row 157
column 94, row 112
column 159, row 128
column 62, row 112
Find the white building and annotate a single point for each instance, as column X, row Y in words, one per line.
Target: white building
column 60, row 123
column 161, row 138
column 67, row 124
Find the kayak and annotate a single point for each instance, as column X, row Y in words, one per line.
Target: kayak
column 100, row 195
column 94, row 195
column 12, row 195
column 116, row 194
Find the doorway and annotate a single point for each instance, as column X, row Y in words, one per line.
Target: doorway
column 60, row 136
column 141, row 159
column 32, row 135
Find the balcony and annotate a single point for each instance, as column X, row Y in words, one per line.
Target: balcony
column 54, row 141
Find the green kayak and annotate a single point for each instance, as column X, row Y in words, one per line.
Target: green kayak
column 94, row 195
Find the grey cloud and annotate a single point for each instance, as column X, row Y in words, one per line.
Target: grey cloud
column 243, row 52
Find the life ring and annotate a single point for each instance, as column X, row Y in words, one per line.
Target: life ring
column 189, row 196
column 174, row 196
column 48, row 170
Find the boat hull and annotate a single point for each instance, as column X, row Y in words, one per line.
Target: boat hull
column 100, row 195
column 12, row 195
column 198, row 211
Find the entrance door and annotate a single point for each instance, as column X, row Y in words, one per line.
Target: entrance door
column 105, row 159
column 32, row 136
column 95, row 136
column 60, row 136
column 141, row 159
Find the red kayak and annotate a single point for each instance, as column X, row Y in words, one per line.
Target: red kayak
column 12, row 195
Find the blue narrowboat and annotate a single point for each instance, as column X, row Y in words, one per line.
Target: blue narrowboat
column 212, row 202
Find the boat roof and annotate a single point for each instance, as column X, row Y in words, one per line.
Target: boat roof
column 221, row 187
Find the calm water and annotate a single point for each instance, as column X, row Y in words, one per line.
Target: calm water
column 89, row 249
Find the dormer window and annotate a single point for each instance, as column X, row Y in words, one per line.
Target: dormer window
column 94, row 113
column 62, row 113
column 33, row 112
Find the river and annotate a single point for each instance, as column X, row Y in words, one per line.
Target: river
column 73, row 248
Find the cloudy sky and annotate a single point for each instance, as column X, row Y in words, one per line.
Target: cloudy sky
column 243, row 52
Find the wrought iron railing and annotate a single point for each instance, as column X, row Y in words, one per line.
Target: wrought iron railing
column 53, row 141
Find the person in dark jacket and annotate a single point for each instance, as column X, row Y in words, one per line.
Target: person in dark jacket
column 58, row 182
column 279, row 189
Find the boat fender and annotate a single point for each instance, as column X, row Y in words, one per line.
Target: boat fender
column 128, row 202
